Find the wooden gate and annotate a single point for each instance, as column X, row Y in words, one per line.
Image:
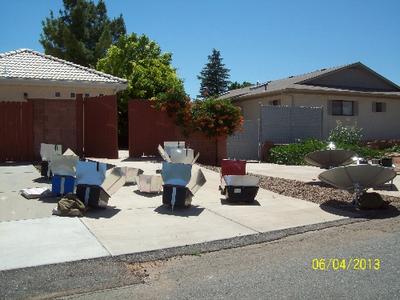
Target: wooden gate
column 16, row 131
column 100, row 123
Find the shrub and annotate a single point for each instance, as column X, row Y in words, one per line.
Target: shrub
column 216, row 117
column 345, row 135
column 362, row 151
column 178, row 106
column 213, row 117
column 395, row 148
column 293, row 154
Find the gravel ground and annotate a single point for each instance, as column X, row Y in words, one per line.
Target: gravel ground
column 317, row 192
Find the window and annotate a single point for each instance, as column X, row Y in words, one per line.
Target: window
column 72, row 95
column 58, row 94
column 275, row 102
column 378, row 106
column 101, row 95
column 342, row 108
column 87, row 95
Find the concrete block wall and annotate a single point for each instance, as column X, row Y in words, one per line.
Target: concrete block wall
column 54, row 122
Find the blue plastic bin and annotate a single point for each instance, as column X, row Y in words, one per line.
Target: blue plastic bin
column 61, row 185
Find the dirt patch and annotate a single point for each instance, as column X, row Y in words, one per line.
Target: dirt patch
column 142, row 269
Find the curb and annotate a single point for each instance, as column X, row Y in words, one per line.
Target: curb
column 235, row 242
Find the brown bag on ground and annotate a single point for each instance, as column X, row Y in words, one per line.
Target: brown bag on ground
column 70, row 205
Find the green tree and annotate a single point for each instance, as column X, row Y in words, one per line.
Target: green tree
column 237, row 85
column 81, row 33
column 216, row 118
column 149, row 73
column 214, row 76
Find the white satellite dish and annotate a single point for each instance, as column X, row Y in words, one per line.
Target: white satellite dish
column 329, row 158
column 357, row 178
column 365, row 176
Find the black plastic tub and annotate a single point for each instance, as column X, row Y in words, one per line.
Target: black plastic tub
column 92, row 195
column 387, row 162
column 183, row 197
column 241, row 193
column 44, row 168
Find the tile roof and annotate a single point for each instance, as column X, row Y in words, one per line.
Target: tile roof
column 293, row 82
column 29, row 64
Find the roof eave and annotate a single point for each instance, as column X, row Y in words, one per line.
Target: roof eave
column 344, row 92
column 117, row 86
column 316, row 91
column 359, row 64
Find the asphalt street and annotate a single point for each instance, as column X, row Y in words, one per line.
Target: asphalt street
column 279, row 269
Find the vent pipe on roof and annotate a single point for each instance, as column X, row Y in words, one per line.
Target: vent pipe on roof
column 5, row 71
column 266, row 84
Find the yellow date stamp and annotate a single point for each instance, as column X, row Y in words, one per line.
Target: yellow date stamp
column 346, row 264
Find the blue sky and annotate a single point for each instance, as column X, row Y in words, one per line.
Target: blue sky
column 259, row 40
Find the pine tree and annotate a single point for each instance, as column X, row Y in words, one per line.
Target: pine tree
column 81, row 33
column 237, row 85
column 214, row 76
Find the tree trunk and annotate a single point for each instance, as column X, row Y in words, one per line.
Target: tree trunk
column 216, row 151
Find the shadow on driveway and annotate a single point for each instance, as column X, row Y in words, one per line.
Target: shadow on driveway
column 253, row 203
column 346, row 209
column 147, row 195
column 191, row 211
column 42, row 180
column 99, row 213
column 152, row 159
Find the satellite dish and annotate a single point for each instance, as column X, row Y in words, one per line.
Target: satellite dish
column 329, row 158
column 357, row 177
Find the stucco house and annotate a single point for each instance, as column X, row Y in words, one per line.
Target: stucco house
column 353, row 94
column 38, row 101
column 27, row 74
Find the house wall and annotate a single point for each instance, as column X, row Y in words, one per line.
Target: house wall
column 376, row 125
column 13, row 93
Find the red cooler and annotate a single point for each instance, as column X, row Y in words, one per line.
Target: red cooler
column 233, row 167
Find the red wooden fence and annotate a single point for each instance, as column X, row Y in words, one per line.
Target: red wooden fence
column 100, row 134
column 89, row 124
column 16, row 131
column 149, row 127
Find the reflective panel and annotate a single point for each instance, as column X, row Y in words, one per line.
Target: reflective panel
column 48, row 151
column 241, row 180
column 90, row 172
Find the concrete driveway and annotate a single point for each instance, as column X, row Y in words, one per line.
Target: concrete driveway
column 133, row 222
column 13, row 178
column 300, row 173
